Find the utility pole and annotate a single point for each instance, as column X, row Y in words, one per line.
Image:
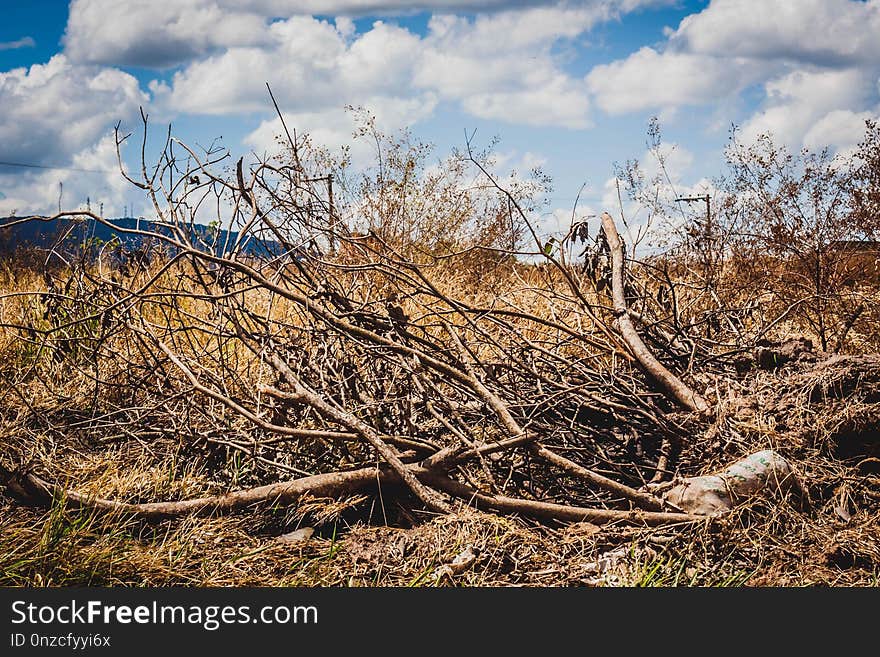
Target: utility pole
column 330, row 193
column 708, row 237
column 60, row 194
column 707, row 227
column 332, row 214
column 705, row 198
column 332, row 210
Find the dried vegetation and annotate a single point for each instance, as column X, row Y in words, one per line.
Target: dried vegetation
column 447, row 400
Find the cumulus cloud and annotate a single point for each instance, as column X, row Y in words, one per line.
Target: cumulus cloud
column 312, row 66
column 816, row 60
column 517, row 30
column 158, row 33
column 498, row 67
column 808, row 103
column 49, row 111
column 649, row 79
column 62, row 114
column 382, row 7
column 497, row 63
column 166, row 33
column 501, row 66
column 823, row 32
column 301, row 59
column 840, row 127
column 334, row 128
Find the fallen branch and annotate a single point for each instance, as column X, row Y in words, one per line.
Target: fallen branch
column 551, row 511
column 323, row 485
column 640, row 499
column 670, row 383
column 330, row 485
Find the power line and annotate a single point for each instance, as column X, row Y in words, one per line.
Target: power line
column 46, row 166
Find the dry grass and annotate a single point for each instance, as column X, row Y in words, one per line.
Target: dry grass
column 768, row 546
column 825, row 421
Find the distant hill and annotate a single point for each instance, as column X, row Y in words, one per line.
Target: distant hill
column 70, row 236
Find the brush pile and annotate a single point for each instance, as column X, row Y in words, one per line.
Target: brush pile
column 358, row 376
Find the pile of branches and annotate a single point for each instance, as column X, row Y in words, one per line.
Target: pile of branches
column 336, row 363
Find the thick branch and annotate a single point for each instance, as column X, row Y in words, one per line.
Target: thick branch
column 671, row 384
column 641, row 500
column 550, row 511
column 331, row 485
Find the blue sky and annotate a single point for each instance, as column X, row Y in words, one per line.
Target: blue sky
column 568, row 85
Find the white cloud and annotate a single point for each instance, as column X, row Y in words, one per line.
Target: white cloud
column 829, row 32
column 309, row 64
column 37, row 192
column 52, row 110
column 813, row 58
column 649, row 79
column 514, row 31
column 842, row 128
column 805, row 103
column 158, row 33
column 165, row 33
column 501, row 66
column 24, row 42
column 558, row 102
column 378, row 7
column 62, row 114
column 498, row 67
column 334, row 128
